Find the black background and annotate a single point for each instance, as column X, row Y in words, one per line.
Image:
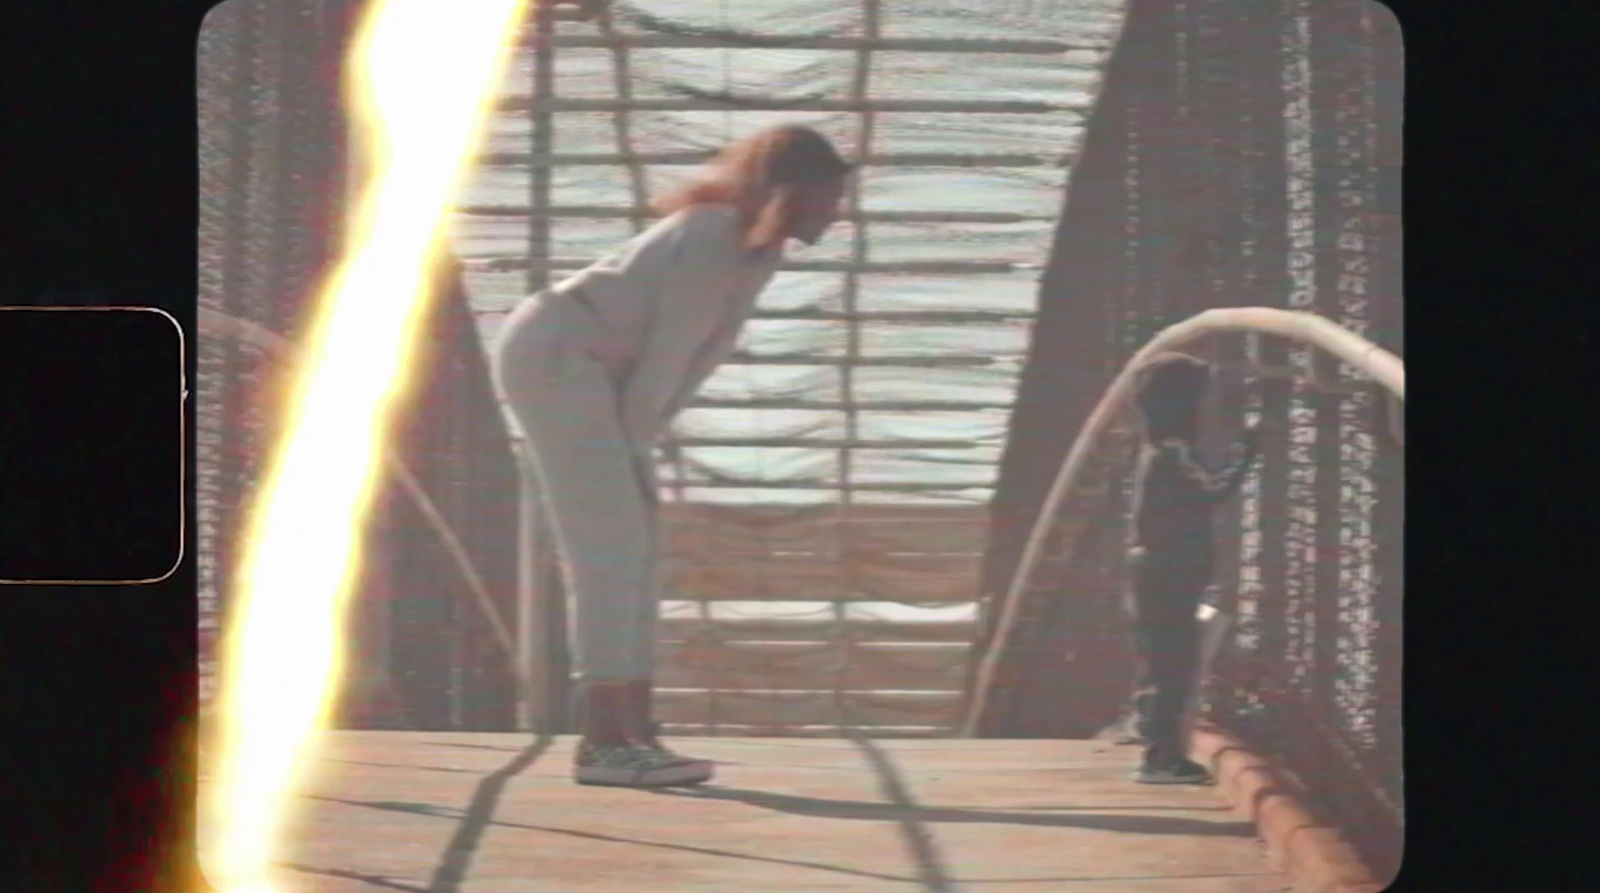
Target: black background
column 91, row 476
column 97, row 684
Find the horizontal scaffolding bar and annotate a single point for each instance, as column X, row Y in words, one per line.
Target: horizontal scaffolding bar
column 614, row 212
column 831, row 443
column 857, row 406
column 925, row 361
column 891, row 159
column 698, row 627
column 907, row 316
column 853, row 486
column 503, row 304
column 505, row 264
column 793, row 42
column 817, row 730
column 524, row 104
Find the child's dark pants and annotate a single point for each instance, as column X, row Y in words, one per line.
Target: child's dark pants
column 1163, row 598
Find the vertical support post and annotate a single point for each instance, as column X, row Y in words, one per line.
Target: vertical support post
column 533, row 709
column 1332, row 176
column 222, row 438
column 1073, row 353
column 1260, row 630
column 544, row 75
column 871, row 11
column 1386, row 78
column 1229, row 115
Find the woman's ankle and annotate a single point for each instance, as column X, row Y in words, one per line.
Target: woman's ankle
column 639, row 712
column 603, row 741
column 604, row 713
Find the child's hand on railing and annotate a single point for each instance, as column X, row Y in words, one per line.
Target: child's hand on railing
column 1250, row 437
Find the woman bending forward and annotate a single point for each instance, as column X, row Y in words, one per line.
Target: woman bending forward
column 595, row 369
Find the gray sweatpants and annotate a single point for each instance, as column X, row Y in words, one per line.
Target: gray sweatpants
column 600, row 498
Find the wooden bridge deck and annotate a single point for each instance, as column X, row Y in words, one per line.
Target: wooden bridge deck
column 433, row 812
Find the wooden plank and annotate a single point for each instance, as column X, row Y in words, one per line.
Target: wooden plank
column 781, row 104
column 511, row 263
column 811, row 628
column 819, row 577
column 922, row 361
column 853, row 405
column 757, row 530
column 830, row 443
column 902, row 316
column 613, row 212
column 803, row 708
column 887, row 159
column 782, row 515
column 827, row 485
column 687, row 533
column 808, row 42
column 734, row 730
column 384, row 811
column 814, row 665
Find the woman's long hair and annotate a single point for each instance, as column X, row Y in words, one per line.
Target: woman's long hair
column 764, row 176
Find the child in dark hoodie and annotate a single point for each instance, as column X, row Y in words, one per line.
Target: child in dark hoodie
column 1171, row 558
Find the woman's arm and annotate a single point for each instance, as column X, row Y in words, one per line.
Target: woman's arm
column 705, row 362
column 711, row 356
column 691, row 298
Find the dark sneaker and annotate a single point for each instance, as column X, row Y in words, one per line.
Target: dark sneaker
column 634, row 765
column 1174, row 772
column 1130, row 733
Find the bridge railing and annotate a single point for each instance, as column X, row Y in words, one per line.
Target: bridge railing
column 1309, row 664
column 437, row 615
column 441, row 548
column 1237, row 154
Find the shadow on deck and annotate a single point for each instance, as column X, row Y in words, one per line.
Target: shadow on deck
column 439, row 812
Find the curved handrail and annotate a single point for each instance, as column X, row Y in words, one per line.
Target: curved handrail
column 1384, row 368
column 219, row 323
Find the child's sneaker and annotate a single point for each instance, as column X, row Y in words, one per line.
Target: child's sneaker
column 632, row 765
column 1123, row 732
column 1173, row 772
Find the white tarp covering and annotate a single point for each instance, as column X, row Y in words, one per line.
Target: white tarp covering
column 840, row 526
column 997, row 175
